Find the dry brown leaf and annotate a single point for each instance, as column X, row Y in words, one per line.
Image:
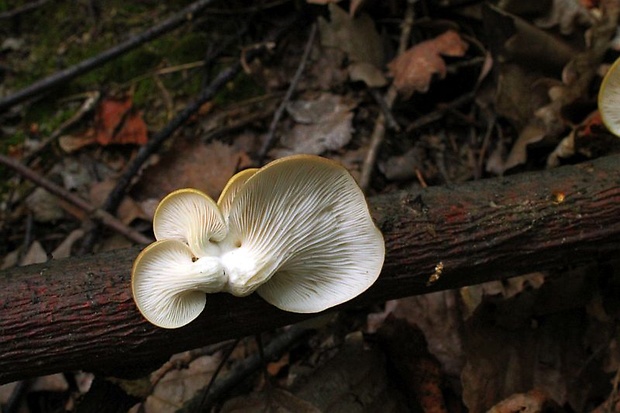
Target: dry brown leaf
column 323, row 124
column 403, row 167
column 35, row 254
column 566, row 14
column 44, row 206
column 513, row 37
column 418, row 371
column 586, row 140
column 357, row 37
column 355, row 380
column 471, row 296
column 275, row 401
column 6, row 391
column 10, row 260
column 179, row 386
column 437, row 315
column 192, row 165
column 113, row 242
column 532, row 133
column 539, row 339
column 355, row 6
column 128, row 211
column 413, row 70
column 549, row 121
column 116, row 122
column 53, row 383
column 531, row 402
column 71, row 143
column 367, row 73
column 64, row 249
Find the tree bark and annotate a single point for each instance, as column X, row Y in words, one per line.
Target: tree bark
column 78, row 313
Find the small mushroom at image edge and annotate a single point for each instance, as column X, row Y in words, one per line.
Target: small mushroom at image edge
column 609, row 99
column 297, row 231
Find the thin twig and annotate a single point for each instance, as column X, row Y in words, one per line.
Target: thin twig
column 486, row 141
column 162, row 71
column 27, row 238
column 97, row 214
column 63, row 76
column 91, row 99
column 440, row 112
column 205, row 392
column 287, row 97
column 165, row 95
column 237, row 124
column 392, row 123
column 192, row 355
column 23, row 9
column 273, row 351
column 236, row 11
column 378, row 133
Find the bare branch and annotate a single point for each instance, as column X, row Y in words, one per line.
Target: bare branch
column 78, row 313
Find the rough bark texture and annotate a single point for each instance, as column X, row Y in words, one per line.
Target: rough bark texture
column 78, row 313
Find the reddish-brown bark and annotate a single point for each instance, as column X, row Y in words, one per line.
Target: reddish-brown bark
column 78, row 313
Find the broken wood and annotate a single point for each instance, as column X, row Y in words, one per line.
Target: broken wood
column 78, row 313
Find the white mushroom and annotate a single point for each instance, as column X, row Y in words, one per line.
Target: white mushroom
column 169, row 283
column 298, row 231
column 609, row 99
column 190, row 216
column 233, row 186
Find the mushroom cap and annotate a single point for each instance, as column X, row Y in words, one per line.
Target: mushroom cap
column 169, row 283
column 609, row 99
column 301, row 235
column 190, row 216
column 233, row 186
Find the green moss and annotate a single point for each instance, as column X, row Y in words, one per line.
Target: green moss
column 241, row 88
column 190, row 47
column 60, row 34
column 130, row 66
column 144, row 90
column 13, row 140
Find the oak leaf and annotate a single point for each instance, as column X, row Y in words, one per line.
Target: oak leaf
column 116, row 122
column 413, row 70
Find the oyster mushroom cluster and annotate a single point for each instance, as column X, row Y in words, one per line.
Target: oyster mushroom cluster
column 297, row 231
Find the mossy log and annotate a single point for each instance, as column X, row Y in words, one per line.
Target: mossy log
column 78, row 313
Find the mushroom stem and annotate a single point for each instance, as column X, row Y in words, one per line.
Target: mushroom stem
column 205, row 274
column 245, row 272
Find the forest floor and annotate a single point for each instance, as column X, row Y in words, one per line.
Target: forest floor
column 405, row 94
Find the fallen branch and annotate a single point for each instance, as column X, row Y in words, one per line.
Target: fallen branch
column 95, row 213
column 78, row 313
